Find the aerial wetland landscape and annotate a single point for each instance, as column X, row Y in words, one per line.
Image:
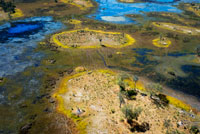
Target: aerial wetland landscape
column 99, row 66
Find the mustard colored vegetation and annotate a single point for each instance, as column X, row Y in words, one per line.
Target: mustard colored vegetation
column 18, row 13
column 129, row 40
column 196, row 60
column 74, row 21
column 79, row 69
column 177, row 28
column 164, row 42
column 194, row 9
column 81, row 124
column 178, row 103
column 139, row 85
column 119, row 53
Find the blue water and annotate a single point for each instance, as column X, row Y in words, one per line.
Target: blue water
column 142, row 59
column 20, row 28
column 114, row 12
column 142, row 51
column 18, row 39
column 179, row 54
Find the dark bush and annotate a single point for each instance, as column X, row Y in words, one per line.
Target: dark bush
column 130, row 94
column 7, row 6
column 194, row 130
column 163, row 99
column 137, row 127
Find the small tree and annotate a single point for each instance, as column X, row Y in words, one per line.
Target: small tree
column 135, row 79
column 121, row 99
column 120, row 82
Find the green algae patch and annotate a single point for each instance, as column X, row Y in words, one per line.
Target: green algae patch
column 87, row 38
column 161, row 42
column 82, row 4
column 177, row 28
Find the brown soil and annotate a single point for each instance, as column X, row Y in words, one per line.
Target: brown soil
column 89, row 38
column 96, row 93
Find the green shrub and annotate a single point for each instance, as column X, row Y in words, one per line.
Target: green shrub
column 121, row 99
column 167, row 123
column 131, row 114
column 155, row 88
column 121, row 84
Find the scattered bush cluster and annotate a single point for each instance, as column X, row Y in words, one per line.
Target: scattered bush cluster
column 7, row 6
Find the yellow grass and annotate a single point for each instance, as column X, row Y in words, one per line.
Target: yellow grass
column 130, row 39
column 80, row 122
column 74, row 21
column 18, row 13
column 157, row 43
column 196, row 60
column 178, row 103
column 131, row 84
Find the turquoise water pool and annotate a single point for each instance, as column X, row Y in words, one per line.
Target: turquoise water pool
column 115, row 12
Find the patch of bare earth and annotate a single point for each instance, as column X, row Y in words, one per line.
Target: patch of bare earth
column 89, row 38
column 95, row 94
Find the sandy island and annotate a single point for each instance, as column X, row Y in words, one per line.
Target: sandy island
column 92, row 99
column 86, row 38
column 178, row 28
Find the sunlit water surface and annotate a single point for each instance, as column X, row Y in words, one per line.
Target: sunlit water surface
column 115, row 12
